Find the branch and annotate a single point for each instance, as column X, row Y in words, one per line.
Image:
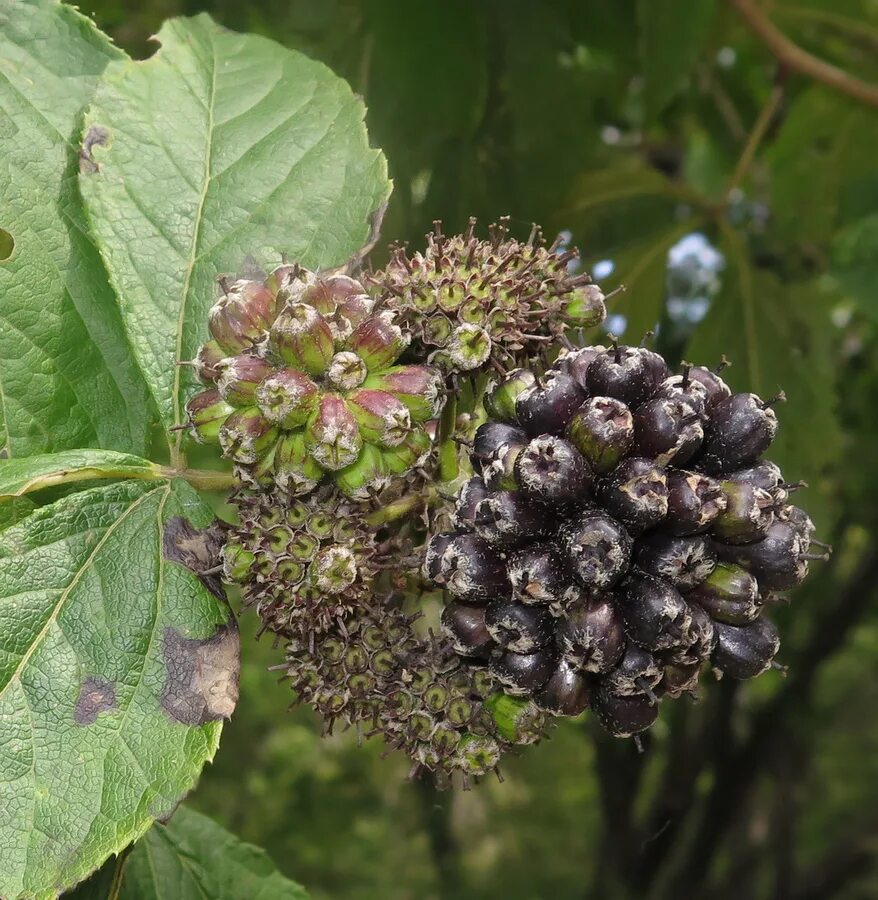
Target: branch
column 793, row 57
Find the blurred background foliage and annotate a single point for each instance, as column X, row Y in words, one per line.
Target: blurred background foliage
column 736, row 199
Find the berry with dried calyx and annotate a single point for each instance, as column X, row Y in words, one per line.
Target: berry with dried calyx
column 592, row 635
column 621, row 372
column 471, row 570
column 694, row 502
column 668, row 431
column 465, row 627
column 508, row 519
column 597, row 549
column 683, row 561
column 553, row 471
column 636, row 493
column 655, row 614
column 538, row 576
column 517, row 627
column 637, row 673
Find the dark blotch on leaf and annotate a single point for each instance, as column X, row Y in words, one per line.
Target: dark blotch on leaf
column 7, row 245
column 197, row 549
column 201, row 683
column 97, row 695
column 96, row 135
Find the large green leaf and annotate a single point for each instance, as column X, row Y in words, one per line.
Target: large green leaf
column 672, row 35
column 855, row 262
column 822, row 166
column 116, row 667
column 778, row 337
column 67, row 378
column 32, row 473
column 220, row 148
column 191, row 858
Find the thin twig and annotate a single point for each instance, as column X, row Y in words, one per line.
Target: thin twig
column 798, row 60
column 754, row 139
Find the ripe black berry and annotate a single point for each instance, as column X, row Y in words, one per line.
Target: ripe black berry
column 694, row 502
column 592, row 636
column 682, row 561
column 547, row 407
column 509, row 519
column 742, row 427
column 597, row 550
column 624, row 716
column 471, row 570
column 566, row 693
column 465, row 627
column 538, row 575
column 620, row 372
column 668, row 431
column 745, row 651
column 523, row 673
column 636, row 493
column 514, row 626
column 656, row 616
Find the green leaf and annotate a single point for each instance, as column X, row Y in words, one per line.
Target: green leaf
column 855, row 262
column 672, row 35
column 14, row 510
column 191, row 858
column 779, row 337
column 21, row 476
column 220, row 149
column 116, row 668
column 822, row 166
column 67, row 378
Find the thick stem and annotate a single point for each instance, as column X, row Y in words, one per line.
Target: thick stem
column 200, row 479
column 448, row 464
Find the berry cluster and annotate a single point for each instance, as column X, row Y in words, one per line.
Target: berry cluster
column 622, row 531
column 466, row 301
column 303, row 383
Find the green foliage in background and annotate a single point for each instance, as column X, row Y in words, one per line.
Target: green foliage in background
column 630, row 124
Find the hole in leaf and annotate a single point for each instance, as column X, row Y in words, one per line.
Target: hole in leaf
column 7, row 245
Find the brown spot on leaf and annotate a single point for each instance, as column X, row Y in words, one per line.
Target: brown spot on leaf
column 97, row 695
column 201, row 683
column 96, row 135
column 198, row 549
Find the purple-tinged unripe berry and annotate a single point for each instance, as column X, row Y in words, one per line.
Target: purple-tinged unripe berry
column 509, row 519
column 464, row 626
column 411, row 454
column 288, row 398
column 471, row 570
column 547, row 407
column 500, row 398
column 620, row 372
column 206, row 412
column 206, row 359
column 683, row 561
column 597, row 550
column 246, row 436
column 378, row 341
column 539, row 576
column 602, row 429
column 636, row 672
column 748, row 515
column 238, row 377
column 667, row 430
column 523, row 673
column 636, row 493
column 333, row 435
column 694, row 502
column 745, row 651
column 301, row 338
column 730, row 594
column 566, row 693
column 382, row 418
column 514, row 626
column 741, row 429
column 554, row 472
column 592, row 635
column 621, row 716
column 367, row 475
column 418, row 387
column 656, row 616
column 240, row 318
column 469, row 496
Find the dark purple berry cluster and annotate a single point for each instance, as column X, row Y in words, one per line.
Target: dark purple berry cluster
column 621, row 531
